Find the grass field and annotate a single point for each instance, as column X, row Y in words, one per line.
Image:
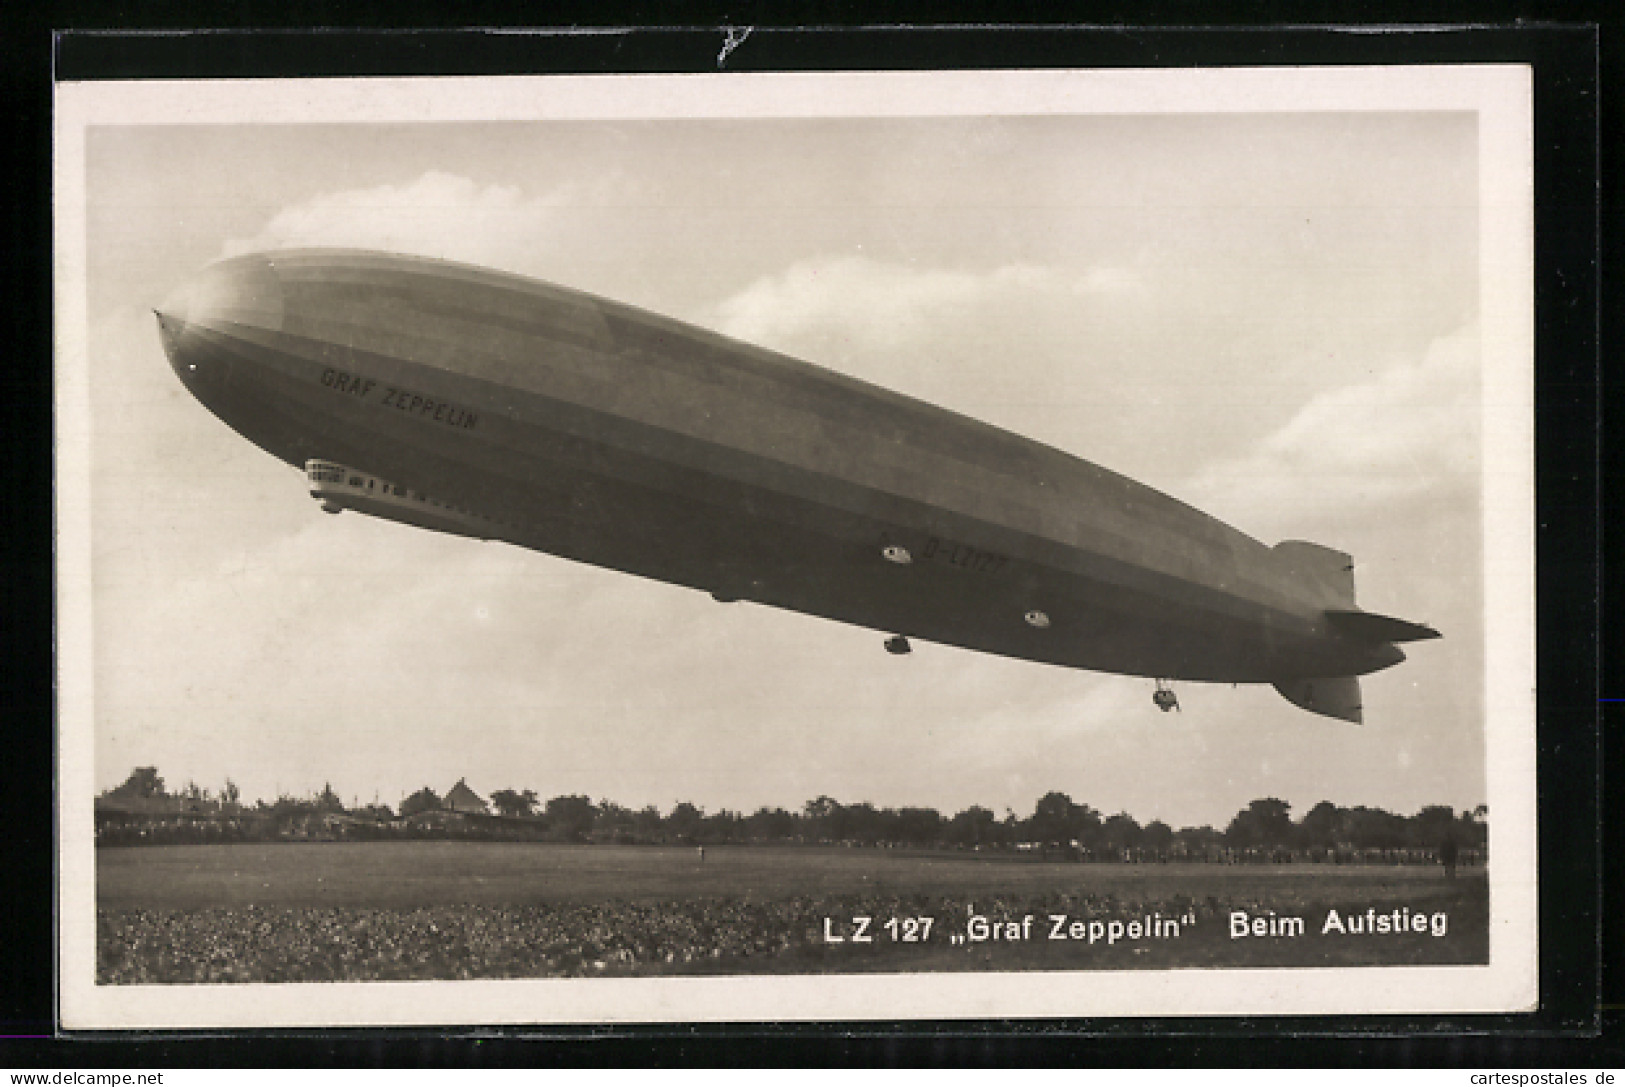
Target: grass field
column 323, row 911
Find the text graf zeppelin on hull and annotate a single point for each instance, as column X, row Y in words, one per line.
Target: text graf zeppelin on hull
column 495, row 406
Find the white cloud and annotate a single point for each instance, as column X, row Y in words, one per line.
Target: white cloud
column 890, row 305
column 1409, row 432
column 437, row 215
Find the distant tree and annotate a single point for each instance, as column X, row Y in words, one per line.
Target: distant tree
column 1471, row 829
column 611, row 816
column 1431, row 826
column 919, row 826
column 647, row 822
column 1374, row 828
column 570, row 816
column 771, row 824
column 1198, row 841
column 515, row 805
column 826, row 818
column 861, row 822
column 821, row 808
column 289, row 806
column 1120, row 833
column 684, row 820
column 724, row 826
column 1321, row 826
column 1058, row 820
column 1157, row 837
column 230, row 795
column 425, row 799
column 973, row 827
column 143, row 781
column 1052, row 818
column 1086, row 825
column 1266, row 822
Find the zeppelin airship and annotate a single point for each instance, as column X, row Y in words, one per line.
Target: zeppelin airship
column 494, row 406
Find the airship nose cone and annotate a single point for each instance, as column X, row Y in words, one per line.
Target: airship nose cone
column 243, row 291
column 226, row 301
column 171, row 312
column 171, row 328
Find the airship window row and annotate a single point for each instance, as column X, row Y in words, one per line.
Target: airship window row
column 326, row 476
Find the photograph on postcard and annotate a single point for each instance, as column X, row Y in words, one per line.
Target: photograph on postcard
column 609, row 544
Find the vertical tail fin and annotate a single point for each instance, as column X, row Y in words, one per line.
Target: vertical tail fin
column 1337, row 697
column 1326, row 574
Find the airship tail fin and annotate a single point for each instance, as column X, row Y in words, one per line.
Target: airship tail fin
column 1323, row 571
column 1328, row 576
column 1337, row 697
column 1371, row 627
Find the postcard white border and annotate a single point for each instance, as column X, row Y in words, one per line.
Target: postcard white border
column 1499, row 94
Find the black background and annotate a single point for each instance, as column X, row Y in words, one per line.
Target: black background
column 1574, row 52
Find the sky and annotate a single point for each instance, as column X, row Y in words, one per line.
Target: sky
column 1271, row 316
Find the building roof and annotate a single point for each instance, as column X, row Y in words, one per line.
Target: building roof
column 461, row 798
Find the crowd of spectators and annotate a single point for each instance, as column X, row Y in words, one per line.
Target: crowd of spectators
column 182, row 830
column 305, row 827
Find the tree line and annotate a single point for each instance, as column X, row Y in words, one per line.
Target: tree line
column 1057, row 823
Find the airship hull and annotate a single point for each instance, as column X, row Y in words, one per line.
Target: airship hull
column 600, row 433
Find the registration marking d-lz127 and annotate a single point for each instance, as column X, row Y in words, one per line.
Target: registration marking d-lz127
column 963, row 555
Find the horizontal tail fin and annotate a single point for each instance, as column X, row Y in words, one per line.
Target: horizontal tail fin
column 1368, row 626
column 1337, row 697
